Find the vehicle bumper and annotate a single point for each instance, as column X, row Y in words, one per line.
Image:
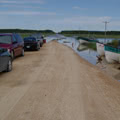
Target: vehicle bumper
column 33, row 46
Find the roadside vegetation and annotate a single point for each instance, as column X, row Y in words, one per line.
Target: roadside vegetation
column 25, row 32
column 28, row 34
column 84, row 46
column 114, row 43
column 90, row 45
column 92, row 34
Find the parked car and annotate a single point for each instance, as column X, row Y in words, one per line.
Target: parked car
column 39, row 37
column 44, row 40
column 13, row 42
column 5, row 60
column 31, row 43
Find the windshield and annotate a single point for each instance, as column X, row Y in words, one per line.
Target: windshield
column 5, row 39
column 29, row 39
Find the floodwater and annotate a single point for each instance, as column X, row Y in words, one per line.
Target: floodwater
column 87, row 54
column 54, row 37
column 108, row 40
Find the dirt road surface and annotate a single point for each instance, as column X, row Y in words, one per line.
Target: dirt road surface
column 56, row 84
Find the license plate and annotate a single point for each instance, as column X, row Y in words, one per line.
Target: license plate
column 27, row 46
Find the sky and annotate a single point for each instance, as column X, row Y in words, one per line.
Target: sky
column 60, row 15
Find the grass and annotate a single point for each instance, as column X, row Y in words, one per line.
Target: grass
column 90, row 45
column 81, row 35
column 95, row 36
column 28, row 34
column 25, row 34
column 114, row 43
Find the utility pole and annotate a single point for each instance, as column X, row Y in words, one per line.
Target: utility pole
column 105, row 22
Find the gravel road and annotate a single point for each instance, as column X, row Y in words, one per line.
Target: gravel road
column 56, row 84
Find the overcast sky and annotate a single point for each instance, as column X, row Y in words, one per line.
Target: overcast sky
column 60, row 14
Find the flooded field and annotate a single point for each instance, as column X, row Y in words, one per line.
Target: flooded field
column 85, row 52
column 102, row 40
column 88, row 54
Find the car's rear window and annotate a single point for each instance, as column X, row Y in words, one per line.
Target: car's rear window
column 30, row 39
column 5, row 39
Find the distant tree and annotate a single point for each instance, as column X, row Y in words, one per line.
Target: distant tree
column 24, row 31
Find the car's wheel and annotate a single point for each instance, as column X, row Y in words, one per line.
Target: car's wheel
column 9, row 66
column 12, row 55
column 23, row 52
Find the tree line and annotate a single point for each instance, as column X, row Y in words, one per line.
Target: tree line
column 90, row 32
column 25, row 31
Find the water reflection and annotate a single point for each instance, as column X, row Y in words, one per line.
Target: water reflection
column 102, row 40
column 86, row 53
column 54, row 37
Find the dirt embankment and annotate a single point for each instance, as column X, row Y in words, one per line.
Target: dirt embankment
column 112, row 70
column 56, row 84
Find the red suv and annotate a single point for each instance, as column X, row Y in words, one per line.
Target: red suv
column 13, row 42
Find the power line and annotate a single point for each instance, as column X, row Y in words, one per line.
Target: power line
column 105, row 22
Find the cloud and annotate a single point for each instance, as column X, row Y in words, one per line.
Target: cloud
column 55, row 23
column 21, row 1
column 79, row 8
column 26, row 13
column 20, row 6
column 82, row 22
